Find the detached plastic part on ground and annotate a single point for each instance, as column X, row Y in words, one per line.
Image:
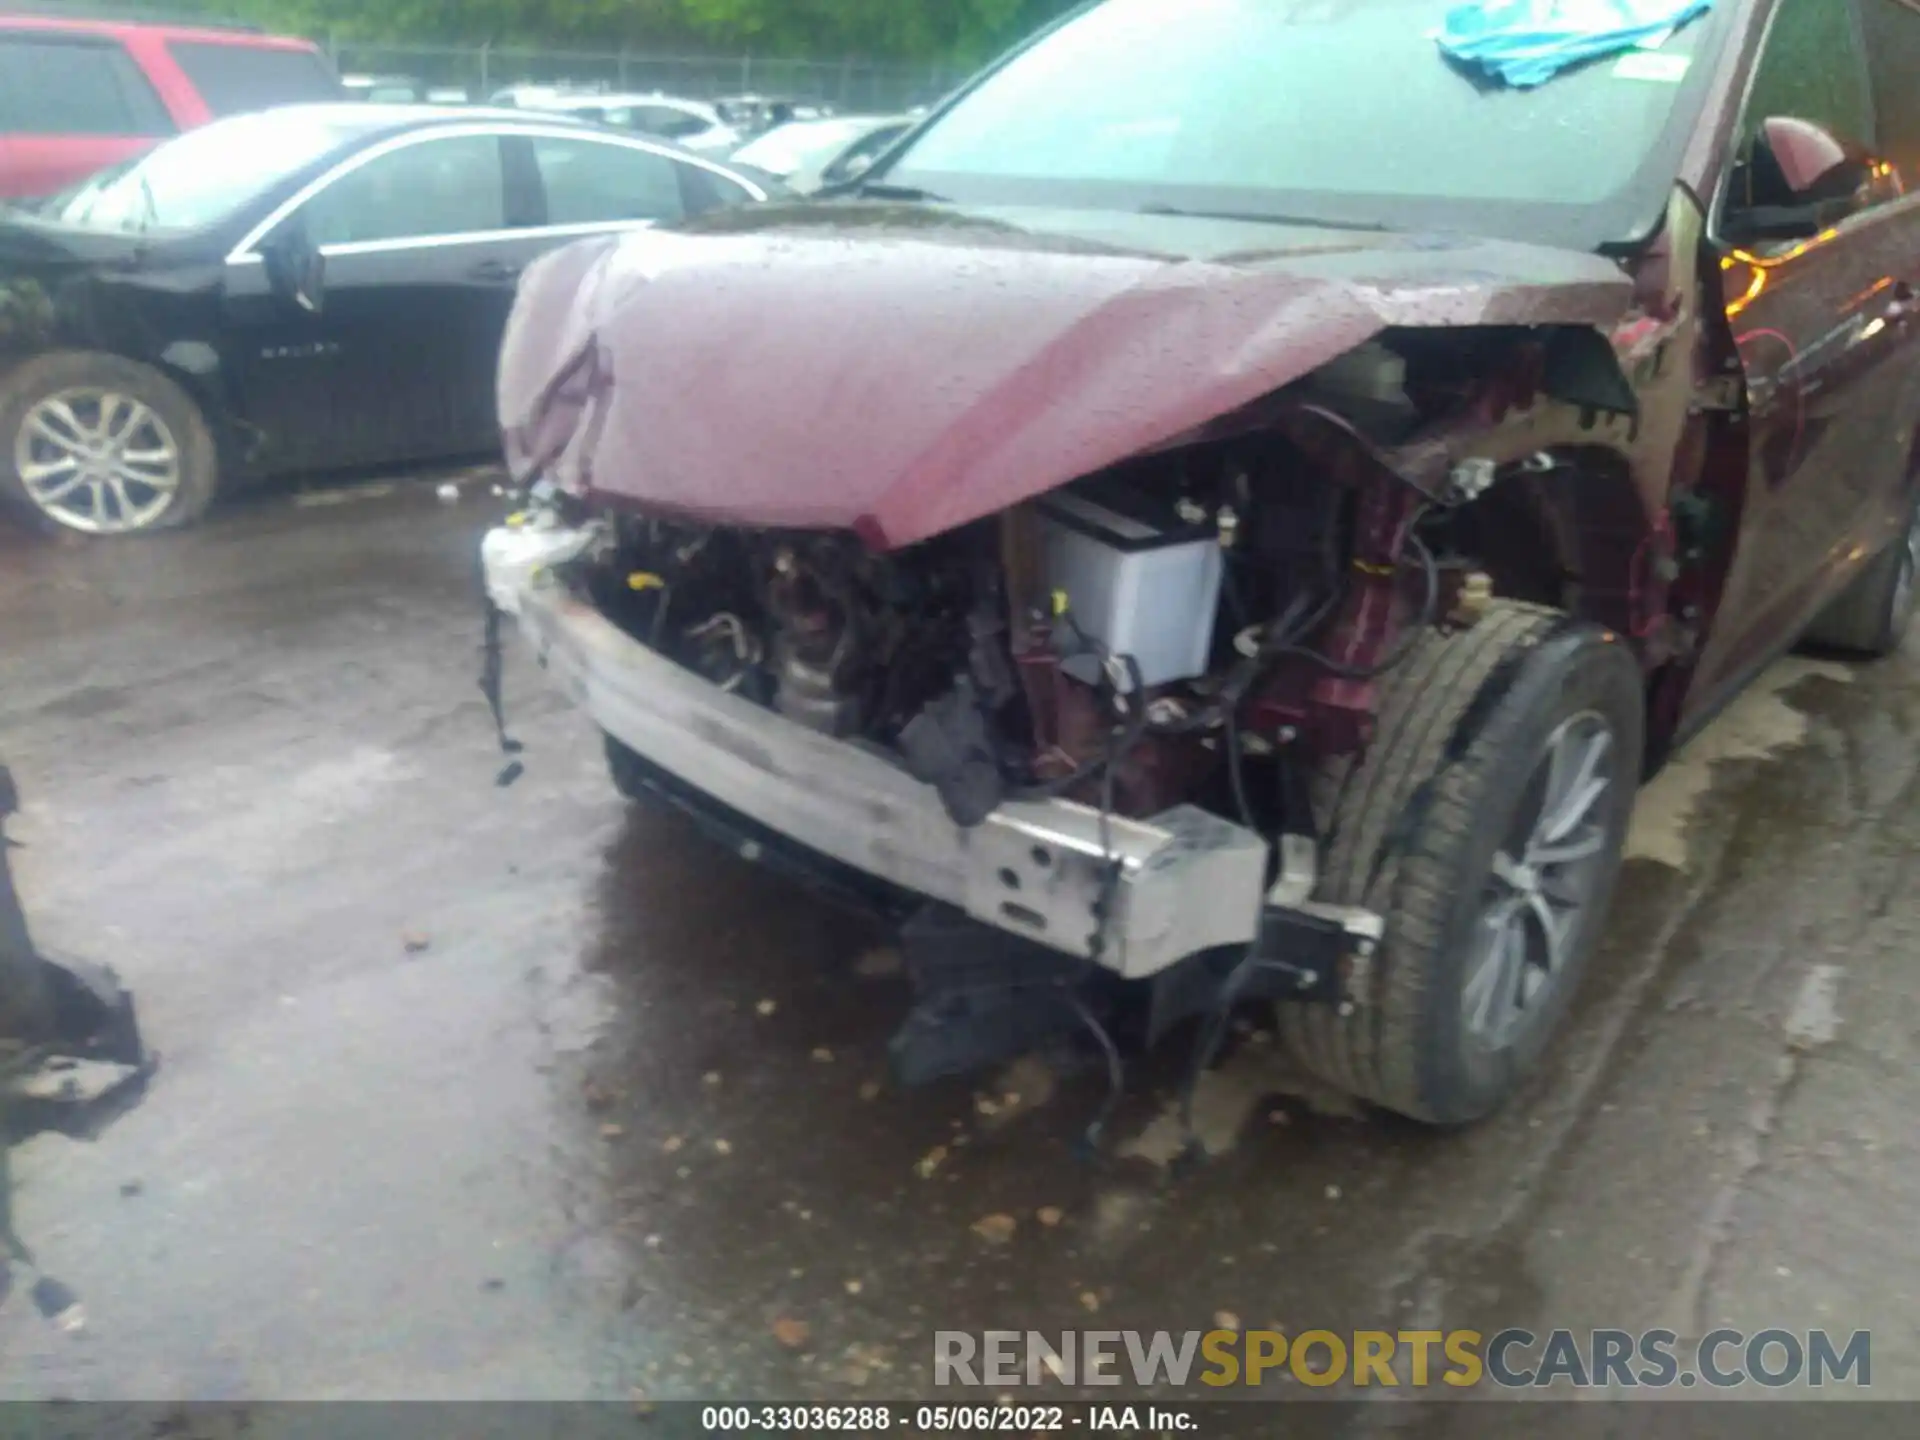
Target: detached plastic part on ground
column 71, row 1058
column 1528, row 42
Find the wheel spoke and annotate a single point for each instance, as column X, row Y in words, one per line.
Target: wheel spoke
column 1580, row 846
column 1553, row 928
column 123, row 503
column 37, row 470
column 46, row 493
column 1577, row 788
column 1493, row 981
column 1508, row 871
column 70, row 420
column 42, row 423
column 127, row 416
column 165, row 482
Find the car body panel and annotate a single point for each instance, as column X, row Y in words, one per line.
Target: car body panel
column 1825, row 339
column 1829, row 359
column 1065, row 343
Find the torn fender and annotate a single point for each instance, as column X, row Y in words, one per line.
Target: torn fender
column 901, row 373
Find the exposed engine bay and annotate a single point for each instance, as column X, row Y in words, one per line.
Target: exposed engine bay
column 1156, row 634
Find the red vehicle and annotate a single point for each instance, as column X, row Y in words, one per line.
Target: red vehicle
column 1231, row 506
column 79, row 95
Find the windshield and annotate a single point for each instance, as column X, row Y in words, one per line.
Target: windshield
column 205, row 175
column 1343, row 110
column 803, row 145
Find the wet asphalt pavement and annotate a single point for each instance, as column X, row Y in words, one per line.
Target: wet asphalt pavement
column 472, row 1092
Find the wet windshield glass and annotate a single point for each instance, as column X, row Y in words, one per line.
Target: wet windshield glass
column 203, row 176
column 1334, row 108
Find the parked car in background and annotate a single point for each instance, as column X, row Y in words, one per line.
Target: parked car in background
column 385, row 89
column 756, row 114
column 1237, row 502
column 691, row 124
column 308, row 288
column 78, row 95
column 809, row 154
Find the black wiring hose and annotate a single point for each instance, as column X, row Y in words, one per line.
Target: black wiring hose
column 1403, row 647
column 1121, row 742
column 1236, row 772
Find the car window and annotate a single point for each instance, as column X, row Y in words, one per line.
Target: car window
column 233, row 79
column 452, row 186
column 56, row 86
column 206, row 175
column 1892, row 33
column 591, row 182
column 1811, row 70
column 1811, row 67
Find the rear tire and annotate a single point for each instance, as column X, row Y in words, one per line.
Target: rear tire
column 1871, row 616
column 1444, row 827
column 104, row 446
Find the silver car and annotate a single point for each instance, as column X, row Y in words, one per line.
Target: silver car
column 810, row 154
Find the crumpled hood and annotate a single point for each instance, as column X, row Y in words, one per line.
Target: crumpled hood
column 901, row 372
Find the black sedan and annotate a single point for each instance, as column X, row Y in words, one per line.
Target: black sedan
column 310, row 288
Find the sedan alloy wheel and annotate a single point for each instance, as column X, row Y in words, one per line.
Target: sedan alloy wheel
column 97, row 461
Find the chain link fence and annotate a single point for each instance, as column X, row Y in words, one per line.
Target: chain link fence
column 481, row 71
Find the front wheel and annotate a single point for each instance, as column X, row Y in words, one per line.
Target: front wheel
column 102, row 445
column 1486, row 824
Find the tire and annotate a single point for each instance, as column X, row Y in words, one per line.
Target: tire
column 1871, row 617
column 164, row 467
column 1413, row 828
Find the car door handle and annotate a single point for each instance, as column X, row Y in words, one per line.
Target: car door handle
column 494, row 272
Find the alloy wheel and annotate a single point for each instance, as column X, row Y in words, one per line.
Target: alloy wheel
column 97, row 461
column 1534, row 907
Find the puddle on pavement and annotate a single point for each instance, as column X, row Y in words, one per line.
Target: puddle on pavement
column 1762, row 722
column 780, row 1218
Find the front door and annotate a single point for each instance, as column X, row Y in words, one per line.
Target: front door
column 398, row 363
column 1818, row 319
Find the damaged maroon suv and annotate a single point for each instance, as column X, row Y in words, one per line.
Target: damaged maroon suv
column 1230, row 507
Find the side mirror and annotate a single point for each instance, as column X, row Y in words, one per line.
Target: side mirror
column 1798, row 179
column 1810, row 158
column 296, row 270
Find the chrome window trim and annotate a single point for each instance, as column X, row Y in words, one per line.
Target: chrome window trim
column 247, row 253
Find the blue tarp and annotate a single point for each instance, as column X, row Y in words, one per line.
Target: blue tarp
column 1525, row 42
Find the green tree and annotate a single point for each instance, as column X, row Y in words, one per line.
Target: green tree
column 961, row 30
